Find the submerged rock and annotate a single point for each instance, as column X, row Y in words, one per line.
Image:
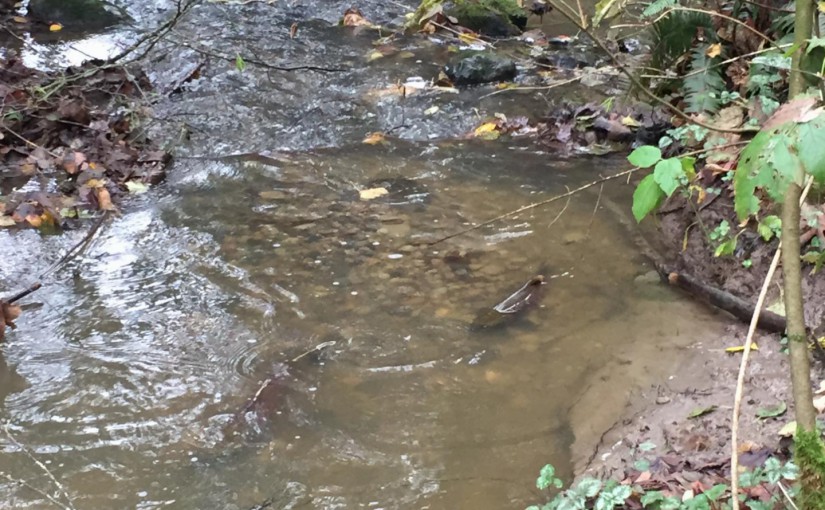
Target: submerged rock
column 494, row 18
column 470, row 68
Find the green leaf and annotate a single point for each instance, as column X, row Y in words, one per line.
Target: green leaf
column 641, row 465
column 646, row 198
column 240, row 65
column 726, row 248
column 703, row 89
column 588, row 487
column 668, row 174
column 769, row 227
column 701, row 411
column 814, row 42
column 772, row 412
column 651, row 497
column 688, row 166
column 810, row 146
column 613, row 497
column 645, row 156
column 657, row 7
column 607, row 9
column 716, row 491
column 647, row 446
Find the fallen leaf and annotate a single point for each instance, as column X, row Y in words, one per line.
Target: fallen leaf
column 34, row 220
column 8, row 313
column 104, row 200
column 487, row 131
column 374, row 138
column 293, row 30
column 819, row 402
column 772, row 412
column 788, row 430
column 741, row 348
column 630, row 122
column 55, row 27
column 714, row 50
column 701, row 411
column 431, row 110
column 354, row 18
column 369, row 194
column 374, row 55
column 7, row 221
column 20, row 19
column 137, row 187
column 72, row 161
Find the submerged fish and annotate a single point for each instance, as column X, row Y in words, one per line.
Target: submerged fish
column 506, row 311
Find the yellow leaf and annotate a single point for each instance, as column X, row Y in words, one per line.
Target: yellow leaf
column 630, row 122
column 820, row 6
column 468, row 38
column 374, row 138
column 714, row 50
column 7, row 221
column 741, row 348
column 431, row 110
column 487, row 127
column 406, row 54
column 369, row 194
column 55, row 27
column 374, row 55
column 20, row 19
column 94, row 183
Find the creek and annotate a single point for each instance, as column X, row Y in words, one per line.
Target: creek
column 127, row 366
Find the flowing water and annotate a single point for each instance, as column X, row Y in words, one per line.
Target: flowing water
column 130, row 365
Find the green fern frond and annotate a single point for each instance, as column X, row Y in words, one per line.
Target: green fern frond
column 658, row 6
column 703, row 89
column 673, row 36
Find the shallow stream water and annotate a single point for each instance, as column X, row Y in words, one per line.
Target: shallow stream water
column 128, row 365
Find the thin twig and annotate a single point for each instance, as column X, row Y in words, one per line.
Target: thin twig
column 544, row 87
column 77, row 248
column 29, row 142
column 32, row 488
column 787, row 496
column 562, row 210
column 531, row 206
column 740, row 380
column 42, row 466
column 595, row 208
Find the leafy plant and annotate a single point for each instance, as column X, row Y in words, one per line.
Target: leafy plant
column 704, row 86
column 668, row 175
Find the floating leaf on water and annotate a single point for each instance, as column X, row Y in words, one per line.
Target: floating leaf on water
column 240, row 65
column 431, row 110
column 293, row 30
column 374, row 55
column 772, row 412
column 406, row 54
column 20, row 19
column 372, row 193
column 741, row 348
column 55, row 27
column 137, row 187
column 701, row 411
column 374, row 138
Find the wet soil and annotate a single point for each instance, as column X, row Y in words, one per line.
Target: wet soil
column 699, row 447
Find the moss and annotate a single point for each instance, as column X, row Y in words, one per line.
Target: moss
column 809, row 454
column 490, row 17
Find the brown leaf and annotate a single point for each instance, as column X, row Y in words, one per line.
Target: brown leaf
column 74, row 110
column 8, row 313
column 293, row 31
column 354, row 18
column 104, row 200
column 72, row 161
column 793, row 111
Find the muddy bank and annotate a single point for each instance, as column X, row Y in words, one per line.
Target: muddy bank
column 683, row 422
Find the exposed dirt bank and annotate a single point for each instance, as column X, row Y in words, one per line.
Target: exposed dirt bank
column 687, row 414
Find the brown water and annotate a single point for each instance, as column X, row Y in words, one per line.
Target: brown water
column 130, row 361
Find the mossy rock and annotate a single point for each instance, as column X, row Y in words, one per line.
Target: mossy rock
column 76, row 14
column 494, row 18
column 474, row 67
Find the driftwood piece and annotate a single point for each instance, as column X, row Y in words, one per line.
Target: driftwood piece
column 736, row 306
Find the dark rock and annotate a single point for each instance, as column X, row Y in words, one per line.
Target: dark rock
column 493, row 18
column 76, row 14
column 469, row 68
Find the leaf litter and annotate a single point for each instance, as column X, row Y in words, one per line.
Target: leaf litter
column 78, row 135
